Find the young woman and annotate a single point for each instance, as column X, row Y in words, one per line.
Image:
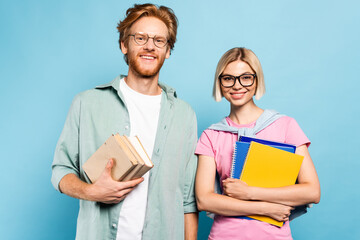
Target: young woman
column 238, row 79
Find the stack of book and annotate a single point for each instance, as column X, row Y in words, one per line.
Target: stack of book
column 129, row 157
column 267, row 164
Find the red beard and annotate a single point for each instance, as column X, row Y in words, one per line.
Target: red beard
column 135, row 65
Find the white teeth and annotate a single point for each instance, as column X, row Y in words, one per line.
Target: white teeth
column 147, row 57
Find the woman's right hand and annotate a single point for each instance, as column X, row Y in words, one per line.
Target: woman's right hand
column 279, row 212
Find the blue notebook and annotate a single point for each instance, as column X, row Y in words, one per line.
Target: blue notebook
column 241, row 149
column 280, row 145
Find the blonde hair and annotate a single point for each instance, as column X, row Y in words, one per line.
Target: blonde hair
column 239, row 54
column 133, row 14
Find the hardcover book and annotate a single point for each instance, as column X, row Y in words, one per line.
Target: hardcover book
column 130, row 159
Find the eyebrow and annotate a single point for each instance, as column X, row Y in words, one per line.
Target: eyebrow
column 151, row 35
column 237, row 75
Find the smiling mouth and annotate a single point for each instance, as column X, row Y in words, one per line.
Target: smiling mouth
column 238, row 95
column 147, row 57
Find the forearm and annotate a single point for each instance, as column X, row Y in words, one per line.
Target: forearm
column 228, row 206
column 105, row 189
column 72, row 186
column 224, row 205
column 295, row 195
column 307, row 190
column 191, row 225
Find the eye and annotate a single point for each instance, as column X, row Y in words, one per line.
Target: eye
column 227, row 78
column 160, row 40
column 140, row 37
column 247, row 77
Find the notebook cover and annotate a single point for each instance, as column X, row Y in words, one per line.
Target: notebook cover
column 239, row 155
column 241, row 149
column 284, row 146
column 270, row 167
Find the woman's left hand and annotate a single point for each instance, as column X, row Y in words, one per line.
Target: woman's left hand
column 236, row 188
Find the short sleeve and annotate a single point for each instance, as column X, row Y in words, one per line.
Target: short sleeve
column 294, row 134
column 204, row 145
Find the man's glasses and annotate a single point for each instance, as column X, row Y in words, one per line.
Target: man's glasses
column 142, row 38
column 245, row 80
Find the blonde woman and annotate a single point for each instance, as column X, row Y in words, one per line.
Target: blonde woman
column 239, row 78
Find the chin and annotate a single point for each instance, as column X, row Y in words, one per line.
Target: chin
column 146, row 73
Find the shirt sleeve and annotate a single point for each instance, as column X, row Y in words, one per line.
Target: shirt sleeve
column 204, row 145
column 190, row 172
column 295, row 136
column 66, row 157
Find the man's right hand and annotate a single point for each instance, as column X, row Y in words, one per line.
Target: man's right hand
column 109, row 191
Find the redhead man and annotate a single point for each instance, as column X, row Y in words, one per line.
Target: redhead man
column 161, row 204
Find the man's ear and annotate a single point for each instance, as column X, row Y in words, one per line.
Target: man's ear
column 168, row 53
column 124, row 49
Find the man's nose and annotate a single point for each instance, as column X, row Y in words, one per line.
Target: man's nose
column 150, row 44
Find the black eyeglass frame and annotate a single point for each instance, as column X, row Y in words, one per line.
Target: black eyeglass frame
column 153, row 38
column 238, row 78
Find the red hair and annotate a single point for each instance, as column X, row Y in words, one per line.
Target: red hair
column 163, row 13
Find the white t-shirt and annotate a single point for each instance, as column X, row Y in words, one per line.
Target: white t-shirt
column 144, row 115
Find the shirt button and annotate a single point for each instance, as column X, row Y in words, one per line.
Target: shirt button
column 126, row 127
column 114, row 225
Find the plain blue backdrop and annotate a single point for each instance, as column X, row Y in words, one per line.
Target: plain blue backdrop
column 51, row 50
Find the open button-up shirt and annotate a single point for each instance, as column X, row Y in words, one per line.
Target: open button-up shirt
column 95, row 115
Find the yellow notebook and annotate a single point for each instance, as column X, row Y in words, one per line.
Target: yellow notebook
column 270, row 167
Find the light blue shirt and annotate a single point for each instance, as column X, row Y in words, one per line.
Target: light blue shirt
column 95, row 115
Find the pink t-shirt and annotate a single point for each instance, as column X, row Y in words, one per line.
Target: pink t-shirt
column 220, row 145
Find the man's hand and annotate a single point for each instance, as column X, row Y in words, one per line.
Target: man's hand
column 105, row 189
column 109, row 191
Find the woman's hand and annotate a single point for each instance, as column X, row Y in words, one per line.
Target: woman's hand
column 237, row 189
column 279, row 212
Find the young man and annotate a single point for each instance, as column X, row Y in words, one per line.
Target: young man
column 161, row 204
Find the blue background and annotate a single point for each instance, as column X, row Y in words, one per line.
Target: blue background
column 51, row 50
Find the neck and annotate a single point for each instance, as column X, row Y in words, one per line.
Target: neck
column 245, row 114
column 143, row 85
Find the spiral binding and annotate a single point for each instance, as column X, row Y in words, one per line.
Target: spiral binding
column 233, row 161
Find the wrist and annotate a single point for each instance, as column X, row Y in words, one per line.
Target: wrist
column 252, row 193
column 264, row 208
column 88, row 192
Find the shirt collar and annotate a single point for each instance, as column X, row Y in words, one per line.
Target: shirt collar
column 170, row 92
